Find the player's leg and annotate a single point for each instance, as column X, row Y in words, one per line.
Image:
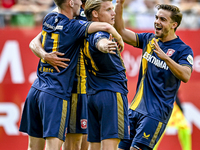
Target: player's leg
column 93, row 124
column 84, row 143
column 72, row 141
column 184, row 135
column 31, row 122
column 147, row 131
column 77, row 123
column 114, row 119
column 110, row 144
column 36, row 143
column 53, row 143
column 55, row 116
column 94, row 146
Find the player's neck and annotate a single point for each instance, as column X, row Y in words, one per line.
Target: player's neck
column 67, row 12
column 169, row 38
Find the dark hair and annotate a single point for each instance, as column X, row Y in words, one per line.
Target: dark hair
column 176, row 15
column 83, row 1
column 59, row 2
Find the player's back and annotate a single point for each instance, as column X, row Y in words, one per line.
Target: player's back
column 63, row 35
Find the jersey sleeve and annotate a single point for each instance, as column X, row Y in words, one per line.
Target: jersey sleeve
column 142, row 39
column 79, row 28
column 98, row 36
column 186, row 57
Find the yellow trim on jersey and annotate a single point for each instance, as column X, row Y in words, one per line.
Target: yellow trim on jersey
column 155, row 135
column 120, row 109
column 72, row 121
column 136, row 101
column 87, row 53
column 63, row 120
column 81, row 75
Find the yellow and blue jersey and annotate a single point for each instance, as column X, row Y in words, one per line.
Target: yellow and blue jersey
column 104, row 71
column 157, row 86
column 61, row 34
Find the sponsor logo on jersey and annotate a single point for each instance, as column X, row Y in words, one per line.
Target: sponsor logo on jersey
column 84, row 123
column 190, row 59
column 170, row 52
column 157, row 62
column 53, row 27
column 146, row 136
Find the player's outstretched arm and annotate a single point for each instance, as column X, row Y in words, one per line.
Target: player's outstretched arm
column 103, row 26
column 51, row 58
column 128, row 36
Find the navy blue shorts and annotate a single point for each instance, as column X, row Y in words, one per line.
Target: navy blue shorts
column 107, row 116
column 44, row 115
column 143, row 131
column 78, row 114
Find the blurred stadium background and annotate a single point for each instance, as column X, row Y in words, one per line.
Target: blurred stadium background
column 21, row 21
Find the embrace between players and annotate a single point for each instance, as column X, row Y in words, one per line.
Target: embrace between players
column 62, row 106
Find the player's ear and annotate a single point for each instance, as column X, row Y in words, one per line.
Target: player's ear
column 174, row 25
column 95, row 14
column 71, row 3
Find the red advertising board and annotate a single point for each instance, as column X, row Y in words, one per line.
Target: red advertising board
column 17, row 71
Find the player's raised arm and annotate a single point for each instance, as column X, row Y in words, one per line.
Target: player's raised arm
column 128, row 36
column 51, row 58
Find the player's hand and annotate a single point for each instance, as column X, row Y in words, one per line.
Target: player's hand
column 120, row 1
column 159, row 51
column 111, row 45
column 120, row 44
column 53, row 59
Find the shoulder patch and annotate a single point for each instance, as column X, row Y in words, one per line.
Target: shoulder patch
column 98, row 34
column 190, row 59
column 82, row 22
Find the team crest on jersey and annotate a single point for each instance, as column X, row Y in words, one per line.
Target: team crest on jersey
column 84, row 123
column 170, row 52
column 190, row 59
column 82, row 22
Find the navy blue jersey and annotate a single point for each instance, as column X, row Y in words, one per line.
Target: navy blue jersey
column 82, row 15
column 104, row 71
column 79, row 86
column 157, row 86
column 61, row 34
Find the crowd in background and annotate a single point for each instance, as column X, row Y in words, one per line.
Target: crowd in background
column 30, row 13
